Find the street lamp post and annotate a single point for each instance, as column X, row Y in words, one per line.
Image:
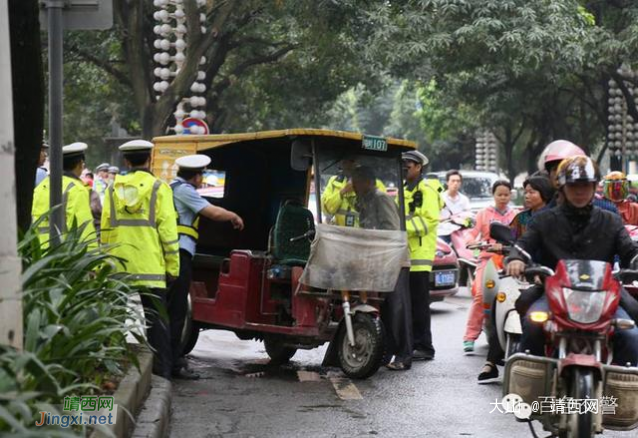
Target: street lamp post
column 56, row 34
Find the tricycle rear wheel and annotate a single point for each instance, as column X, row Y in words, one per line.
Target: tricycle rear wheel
column 364, row 359
column 279, row 354
column 190, row 332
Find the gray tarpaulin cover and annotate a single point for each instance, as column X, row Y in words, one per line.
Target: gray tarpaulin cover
column 345, row 258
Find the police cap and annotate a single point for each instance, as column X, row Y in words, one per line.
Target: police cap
column 114, row 169
column 103, row 166
column 134, row 146
column 193, row 162
column 415, row 156
column 74, row 149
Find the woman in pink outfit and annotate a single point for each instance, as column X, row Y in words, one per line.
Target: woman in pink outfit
column 500, row 212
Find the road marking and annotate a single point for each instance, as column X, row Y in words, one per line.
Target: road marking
column 345, row 389
column 308, row 376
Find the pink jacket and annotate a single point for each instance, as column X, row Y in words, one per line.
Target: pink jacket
column 483, row 220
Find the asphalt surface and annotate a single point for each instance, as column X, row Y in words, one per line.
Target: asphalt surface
column 241, row 395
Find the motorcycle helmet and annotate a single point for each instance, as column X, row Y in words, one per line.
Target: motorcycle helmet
column 616, row 186
column 577, row 169
column 557, row 151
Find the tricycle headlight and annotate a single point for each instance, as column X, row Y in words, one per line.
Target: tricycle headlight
column 584, row 307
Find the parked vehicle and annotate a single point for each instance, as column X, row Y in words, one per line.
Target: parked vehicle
column 444, row 280
column 583, row 297
column 477, row 186
column 250, row 282
column 457, row 231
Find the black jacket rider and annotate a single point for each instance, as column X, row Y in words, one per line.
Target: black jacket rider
column 567, row 233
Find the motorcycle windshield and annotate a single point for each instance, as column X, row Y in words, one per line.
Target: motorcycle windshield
column 586, row 275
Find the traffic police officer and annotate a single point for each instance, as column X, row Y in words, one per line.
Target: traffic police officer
column 41, row 172
column 138, row 224
column 421, row 220
column 190, row 206
column 113, row 170
column 75, row 196
column 339, row 198
column 101, row 180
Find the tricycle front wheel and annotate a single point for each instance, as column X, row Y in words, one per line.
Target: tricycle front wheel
column 277, row 351
column 364, row 358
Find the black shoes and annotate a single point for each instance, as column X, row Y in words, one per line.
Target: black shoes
column 422, row 355
column 184, row 374
column 182, row 371
column 399, row 366
column 489, row 374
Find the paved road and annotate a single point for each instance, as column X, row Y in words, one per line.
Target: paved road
column 240, row 395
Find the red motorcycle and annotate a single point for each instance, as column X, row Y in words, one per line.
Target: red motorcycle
column 575, row 376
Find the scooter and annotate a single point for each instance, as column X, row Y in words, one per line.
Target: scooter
column 500, row 293
column 565, row 389
column 456, row 230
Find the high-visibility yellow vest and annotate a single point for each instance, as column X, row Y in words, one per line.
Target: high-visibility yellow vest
column 421, row 221
column 342, row 207
column 77, row 207
column 438, row 187
column 191, row 230
column 139, row 219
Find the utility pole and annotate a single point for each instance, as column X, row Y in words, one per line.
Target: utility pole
column 56, row 35
column 10, row 264
column 56, row 16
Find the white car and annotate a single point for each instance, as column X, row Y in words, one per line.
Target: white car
column 477, row 186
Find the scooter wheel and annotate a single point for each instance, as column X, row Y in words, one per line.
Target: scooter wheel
column 364, row 358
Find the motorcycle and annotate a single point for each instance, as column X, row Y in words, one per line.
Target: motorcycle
column 456, row 231
column 576, row 370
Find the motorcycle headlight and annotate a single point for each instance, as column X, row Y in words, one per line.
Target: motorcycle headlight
column 584, row 307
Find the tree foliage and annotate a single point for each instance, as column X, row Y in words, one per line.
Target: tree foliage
column 532, row 70
column 268, row 63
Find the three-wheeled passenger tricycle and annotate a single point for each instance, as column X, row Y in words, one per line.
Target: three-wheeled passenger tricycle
column 249, row 282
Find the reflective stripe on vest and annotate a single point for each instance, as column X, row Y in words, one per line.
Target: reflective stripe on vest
column 150, row 222
column 148, row 277
column 421, row 262
column 191, row 230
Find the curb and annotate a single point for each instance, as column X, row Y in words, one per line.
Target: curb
column 129, row 397
column 154, row 418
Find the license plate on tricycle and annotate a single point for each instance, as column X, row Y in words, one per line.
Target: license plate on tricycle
column 444, row 278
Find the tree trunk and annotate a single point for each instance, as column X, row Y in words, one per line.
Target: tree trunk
column 10, row 264
column 28, row 100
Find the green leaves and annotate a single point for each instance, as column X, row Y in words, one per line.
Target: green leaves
column 77, row 316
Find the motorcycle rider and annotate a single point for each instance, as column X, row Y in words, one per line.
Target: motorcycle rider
column 499, row 212
column 616, row 189
column 575, row 230
column 551, row 157
column 456, row 203
column 538, row 192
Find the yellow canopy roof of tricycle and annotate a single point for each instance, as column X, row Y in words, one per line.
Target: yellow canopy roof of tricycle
column 205, row 142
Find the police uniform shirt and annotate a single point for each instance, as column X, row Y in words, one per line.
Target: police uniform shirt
column 40, row 174
column 188, row 204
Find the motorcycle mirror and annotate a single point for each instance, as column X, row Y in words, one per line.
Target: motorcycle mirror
column 501, row 233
